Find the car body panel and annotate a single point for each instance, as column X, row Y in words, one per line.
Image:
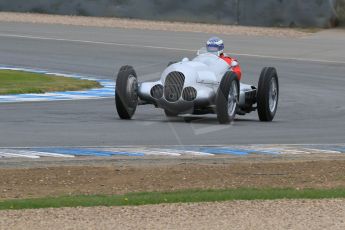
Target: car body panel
column 204, row 73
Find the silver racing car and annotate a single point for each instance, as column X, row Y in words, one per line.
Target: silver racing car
column 204, row 85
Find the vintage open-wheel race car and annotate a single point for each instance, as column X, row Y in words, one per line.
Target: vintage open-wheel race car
column 204, row 85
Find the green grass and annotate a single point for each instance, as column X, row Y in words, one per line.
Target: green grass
column 19, row 82
column 171, row 197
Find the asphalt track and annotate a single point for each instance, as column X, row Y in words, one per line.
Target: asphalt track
column 311, row 71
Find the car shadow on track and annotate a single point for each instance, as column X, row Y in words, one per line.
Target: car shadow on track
column 187, row 119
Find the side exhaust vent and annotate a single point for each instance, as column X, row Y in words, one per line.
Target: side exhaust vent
column 157, row 91
column 189, row 94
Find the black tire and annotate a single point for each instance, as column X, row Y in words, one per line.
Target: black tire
column 265, row 111
column 126, row 92
column 222, row 99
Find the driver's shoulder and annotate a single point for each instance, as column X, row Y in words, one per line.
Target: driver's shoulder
column 226, row 55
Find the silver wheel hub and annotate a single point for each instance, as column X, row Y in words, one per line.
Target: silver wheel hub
column 232, row 99
column 273, row 95
column 132, row 90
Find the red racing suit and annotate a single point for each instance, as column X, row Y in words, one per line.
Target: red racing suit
column 233, row 63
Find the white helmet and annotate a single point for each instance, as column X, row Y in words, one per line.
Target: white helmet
column 215, row 45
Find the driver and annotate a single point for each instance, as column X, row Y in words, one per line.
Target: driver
column 215, row 45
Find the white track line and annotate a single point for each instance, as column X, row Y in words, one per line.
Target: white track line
column 187, row 152
column 94, row 42
column 159, row 153
column 294, row 152
column 8, row 153
column 322, row 151
column 265, row 146
column 45, row 154
column 148, row 152
column 165, row 48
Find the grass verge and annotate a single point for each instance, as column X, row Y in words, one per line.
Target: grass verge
column 185, row 196
column 20, row 82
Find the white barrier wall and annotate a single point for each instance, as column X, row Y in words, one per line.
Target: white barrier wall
column 316, row 13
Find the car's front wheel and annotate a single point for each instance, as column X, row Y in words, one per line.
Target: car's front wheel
column 227, row 98
column 126, row 92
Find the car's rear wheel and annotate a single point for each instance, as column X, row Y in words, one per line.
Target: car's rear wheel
column 126, row 92
column 227, row 98
column 268, row 94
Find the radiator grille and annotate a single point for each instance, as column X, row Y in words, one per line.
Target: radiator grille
column 173, row 86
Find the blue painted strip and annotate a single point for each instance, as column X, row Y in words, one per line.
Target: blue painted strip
column 274, row 152
column 87, row 152
column 224, row 151
column 132, row 154
column 107, row 152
